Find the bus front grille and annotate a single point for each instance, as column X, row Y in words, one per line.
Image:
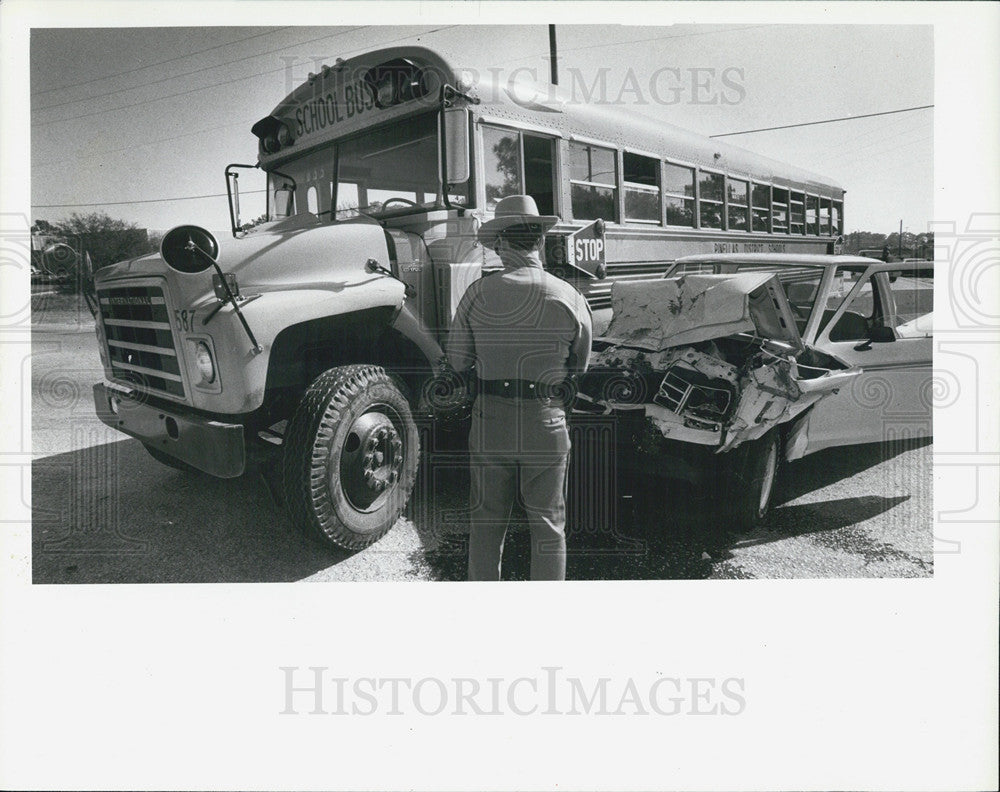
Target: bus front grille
column 139, row 342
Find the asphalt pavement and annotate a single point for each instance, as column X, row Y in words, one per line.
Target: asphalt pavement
column 105, row 512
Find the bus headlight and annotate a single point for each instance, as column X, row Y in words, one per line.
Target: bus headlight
column 203, row 359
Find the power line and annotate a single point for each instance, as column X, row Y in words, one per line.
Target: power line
column 158, row 63
column 563, row 50
column 892, row 149
column 77, row 157
column 151, row 101
column 827, row 121
column 129, row 203
column 154, row 141
column 132, row 105
column 665, row 38
column 901, row 124
column 190, row 90
column 851, row 147
column 203, row 69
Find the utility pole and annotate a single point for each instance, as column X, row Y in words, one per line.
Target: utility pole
column 900, row 251
column 553, row 65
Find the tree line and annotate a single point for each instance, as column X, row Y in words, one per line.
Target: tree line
column 919, row 246
column 106, row 239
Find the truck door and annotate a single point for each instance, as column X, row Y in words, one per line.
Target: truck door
column 891, row 399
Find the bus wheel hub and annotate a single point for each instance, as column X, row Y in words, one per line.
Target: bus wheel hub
column 371, row 459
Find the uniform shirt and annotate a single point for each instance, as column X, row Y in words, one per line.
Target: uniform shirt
column 521, row 323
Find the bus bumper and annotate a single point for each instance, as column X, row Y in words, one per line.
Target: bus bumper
column 211, row 446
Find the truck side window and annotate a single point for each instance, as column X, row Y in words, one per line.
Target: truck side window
column 801, row 286
column 860, row 315
column 913, row 296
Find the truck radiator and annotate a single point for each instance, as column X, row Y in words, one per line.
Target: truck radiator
column 139, row 342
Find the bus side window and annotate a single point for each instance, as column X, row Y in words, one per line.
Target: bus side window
column 678, row 185
column 760, row 211
column 593, row 174
column 641, row 185
column 538, row 172
column 812, row 215
column 502, row 161
column 518, row 163
column 312, row 205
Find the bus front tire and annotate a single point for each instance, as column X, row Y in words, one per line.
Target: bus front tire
column 351, row 452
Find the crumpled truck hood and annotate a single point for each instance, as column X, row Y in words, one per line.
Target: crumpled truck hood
column 658, row 314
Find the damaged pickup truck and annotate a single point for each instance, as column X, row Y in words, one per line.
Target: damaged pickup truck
column 730, row 364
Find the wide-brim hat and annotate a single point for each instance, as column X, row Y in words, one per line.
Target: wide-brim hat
column 514, row 210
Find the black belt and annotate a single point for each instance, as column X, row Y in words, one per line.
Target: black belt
column 521, row 389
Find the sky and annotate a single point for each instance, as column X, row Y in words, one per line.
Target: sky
column 123, row 117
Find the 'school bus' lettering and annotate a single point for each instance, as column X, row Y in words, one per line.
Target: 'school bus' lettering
column 327, row 111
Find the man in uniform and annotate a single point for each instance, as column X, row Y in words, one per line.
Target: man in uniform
column 527, row 334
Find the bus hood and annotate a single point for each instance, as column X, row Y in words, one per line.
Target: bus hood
column 279, row 256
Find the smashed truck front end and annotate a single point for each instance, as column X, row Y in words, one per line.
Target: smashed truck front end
column 711, row 360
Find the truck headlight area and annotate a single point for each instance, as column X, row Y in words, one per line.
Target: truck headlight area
column 203, row 359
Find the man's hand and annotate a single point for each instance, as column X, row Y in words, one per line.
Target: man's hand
column 447, row 394
column 567, row 392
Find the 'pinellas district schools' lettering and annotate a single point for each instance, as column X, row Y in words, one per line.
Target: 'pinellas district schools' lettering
column 326, row 111
column 748, row 247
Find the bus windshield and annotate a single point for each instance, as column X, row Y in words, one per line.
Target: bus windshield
column 394, row 168
column 391, row 168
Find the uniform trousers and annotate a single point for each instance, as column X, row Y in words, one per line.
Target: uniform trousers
column 518, row 445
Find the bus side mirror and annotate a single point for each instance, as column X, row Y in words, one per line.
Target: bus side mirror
column 284, row 198
column 456, row 145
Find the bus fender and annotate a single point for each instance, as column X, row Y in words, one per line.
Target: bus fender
column 411, row 327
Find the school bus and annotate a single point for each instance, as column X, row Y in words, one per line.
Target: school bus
column 314, row 336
